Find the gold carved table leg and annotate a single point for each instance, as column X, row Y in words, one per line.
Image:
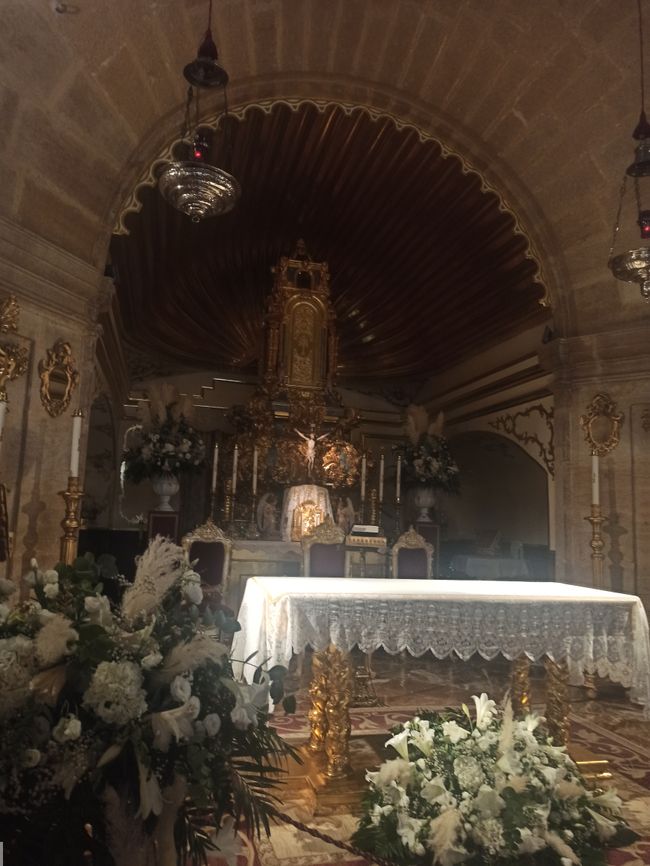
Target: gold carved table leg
column 329, row 716
column 520, row 685
column 337, row 711
column 557, row 701
column 318, row 691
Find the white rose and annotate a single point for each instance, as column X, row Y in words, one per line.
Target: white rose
column 68, row 728
column 7, row 587
column 193, row 593
column 180, row 689
column 152, row 660
column 50, row 576
column 212, row 724
column 31, row 758
column 51, row 590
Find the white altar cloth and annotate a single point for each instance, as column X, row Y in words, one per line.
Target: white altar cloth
column 593, row 630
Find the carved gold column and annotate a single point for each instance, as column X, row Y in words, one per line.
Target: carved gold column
column 520, row 685
column 557, row 701
column 597, row 545
column 337, row 711
column 71, row 523
column 318, row 693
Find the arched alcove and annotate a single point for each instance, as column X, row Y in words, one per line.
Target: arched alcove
column 504, row 497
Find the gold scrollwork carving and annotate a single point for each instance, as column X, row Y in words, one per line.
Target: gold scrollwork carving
column 13, row 363
column 59, row 378
column 602, row 425
column 9, row 312
column 509, row 425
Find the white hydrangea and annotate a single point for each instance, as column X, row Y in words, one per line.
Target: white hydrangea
column 115, row 692
column 468, row 772
column 51, row 590
column 68, row 728
column 50, row 576
column 181, row 689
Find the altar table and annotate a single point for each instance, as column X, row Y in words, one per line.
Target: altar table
column 490, row 567
column 588, row 630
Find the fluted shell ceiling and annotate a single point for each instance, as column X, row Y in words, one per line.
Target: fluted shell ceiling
column 427, row 267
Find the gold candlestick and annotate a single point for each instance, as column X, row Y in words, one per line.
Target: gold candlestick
column 597, row 545
column 71, row 523
column 227, row 502
column 373, row 507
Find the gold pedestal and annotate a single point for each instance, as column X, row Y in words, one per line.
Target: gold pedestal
column 597, row 545
column 71, row 523
column 363, row 692
column 557, row 701
column 329, row 716
column 520, row 686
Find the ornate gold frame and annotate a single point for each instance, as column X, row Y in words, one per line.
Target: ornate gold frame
column 602, row 408
column 327, row 533
column 13, row 359
column 412, row 540
column 210, row 533
column 58, row 357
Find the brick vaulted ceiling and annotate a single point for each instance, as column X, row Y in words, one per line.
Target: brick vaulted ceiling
column 539, row 96
column 426, row 267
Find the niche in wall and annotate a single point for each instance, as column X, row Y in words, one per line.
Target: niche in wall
column 502, row 490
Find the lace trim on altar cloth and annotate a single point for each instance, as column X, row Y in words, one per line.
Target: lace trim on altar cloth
column 610, row 639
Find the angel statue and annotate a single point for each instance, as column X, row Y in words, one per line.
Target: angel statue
column 309, row 448
column 267, row 515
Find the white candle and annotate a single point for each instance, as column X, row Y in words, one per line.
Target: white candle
column 76, row 444
column 595, row 480
column 3, row 414
column 363, row 477
column 254, row 470
column 215, row 463
column 235, row 455
column 381, row 477
column 398, row 477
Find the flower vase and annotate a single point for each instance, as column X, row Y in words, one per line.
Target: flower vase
column 165, row 485
column 424, row 498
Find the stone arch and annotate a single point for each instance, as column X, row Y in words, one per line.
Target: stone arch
column 381, row 102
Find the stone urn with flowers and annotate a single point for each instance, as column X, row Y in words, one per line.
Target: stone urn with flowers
column 428, row 464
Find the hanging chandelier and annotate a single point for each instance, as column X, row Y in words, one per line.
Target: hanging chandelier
column 195, row 186
column 633, row 215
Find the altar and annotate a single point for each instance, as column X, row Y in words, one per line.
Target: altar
column 577, row 629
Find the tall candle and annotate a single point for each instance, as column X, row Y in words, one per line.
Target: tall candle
column 235, row 455
column 595, row 480
column 3, row 414
column 363, row 477
column 398, row 477
column 381, row 477
column 215, row 464
column 254, row 470
column 76, row 444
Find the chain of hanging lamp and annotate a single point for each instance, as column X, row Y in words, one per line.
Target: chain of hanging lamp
column 194, row 186
column 634, row 265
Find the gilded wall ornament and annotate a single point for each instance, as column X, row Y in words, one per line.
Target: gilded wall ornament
column 9, row 312
column 13, row 363
column 602, row 425
column 514, row 425
column 59, row 378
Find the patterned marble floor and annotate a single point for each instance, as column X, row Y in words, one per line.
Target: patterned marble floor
column 608, row 724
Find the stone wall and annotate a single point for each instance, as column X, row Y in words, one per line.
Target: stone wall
column 56, row 294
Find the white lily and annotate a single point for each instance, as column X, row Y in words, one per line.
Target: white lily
column 175, row 723
column 485, row 709
column 400, row 743
column 151, row 801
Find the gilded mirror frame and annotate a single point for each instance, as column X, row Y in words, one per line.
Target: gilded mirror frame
column 58, row 358
column 602, row 408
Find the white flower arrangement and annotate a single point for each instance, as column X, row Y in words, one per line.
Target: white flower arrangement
column 137, row 699
column 488, row 789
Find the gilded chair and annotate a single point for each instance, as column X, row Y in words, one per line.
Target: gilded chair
column 209, row 549
column 323, row 551
column 412, row 556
